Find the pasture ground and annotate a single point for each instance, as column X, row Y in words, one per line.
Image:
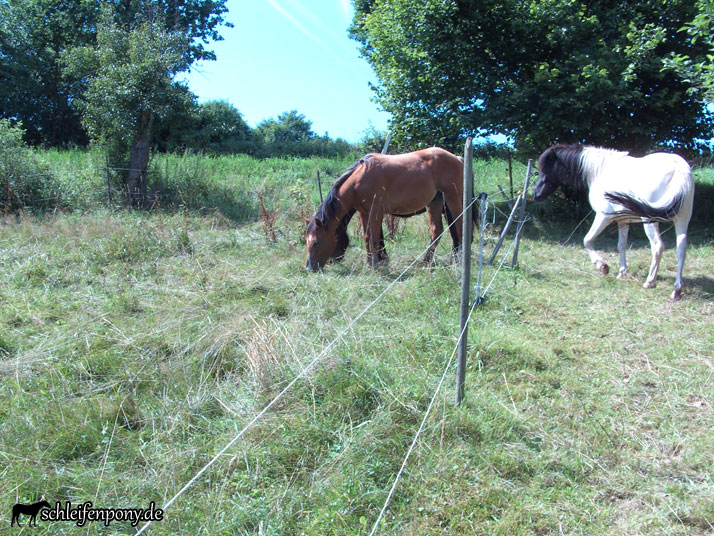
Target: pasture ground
column 134, row 346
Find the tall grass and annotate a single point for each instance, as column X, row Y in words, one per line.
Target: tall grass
column 134, row 345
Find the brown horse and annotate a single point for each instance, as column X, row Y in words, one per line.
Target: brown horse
column 403, row 185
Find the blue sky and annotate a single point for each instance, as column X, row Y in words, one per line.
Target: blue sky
column 292, row 55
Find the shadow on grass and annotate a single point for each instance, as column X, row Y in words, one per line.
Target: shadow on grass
column 566, row 221
column 702, row 284
column 234, row 205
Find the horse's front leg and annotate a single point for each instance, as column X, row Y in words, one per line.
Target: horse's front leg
column 601, row 221
column 374, row 239
column 623, row 231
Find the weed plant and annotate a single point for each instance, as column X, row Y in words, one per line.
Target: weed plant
column 135, row 345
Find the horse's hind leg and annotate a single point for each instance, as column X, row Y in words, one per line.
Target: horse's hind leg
column 652, row 231
column 680, row 227
column 452, row 201
column 436, row 227
column 601, row 221
column 623, row 231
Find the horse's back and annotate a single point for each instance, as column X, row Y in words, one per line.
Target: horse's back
column 650, row 178
column 406, row 183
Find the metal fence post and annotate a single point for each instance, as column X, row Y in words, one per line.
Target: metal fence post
column 467, row 231
column 483, row 208
column 522, row 218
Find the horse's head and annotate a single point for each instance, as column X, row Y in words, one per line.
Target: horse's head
column 558, row 166
column 321, row 244
column 547, row 181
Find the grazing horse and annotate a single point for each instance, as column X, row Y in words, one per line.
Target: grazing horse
column 429, row 180
column 29, row 510
column 652, row 189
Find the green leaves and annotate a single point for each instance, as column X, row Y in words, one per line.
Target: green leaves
column 697, row 70
column 545, row 71
column 40, row 90
column 128, row 72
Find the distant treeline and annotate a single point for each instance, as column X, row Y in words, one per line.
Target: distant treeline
column 217, row 127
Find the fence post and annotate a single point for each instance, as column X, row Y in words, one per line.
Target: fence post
column 385, row 148
column 390, row 219
column 483, row 209
column 505, row 230
column 510, row 172
column 467, row 231
column 319, row 185
column 508, row 201
column 522, row 218
column 109, row 183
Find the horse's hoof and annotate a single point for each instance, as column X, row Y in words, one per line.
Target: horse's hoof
column 603, row 268
column 676, row 294
column 622, row 274
column 649, row 284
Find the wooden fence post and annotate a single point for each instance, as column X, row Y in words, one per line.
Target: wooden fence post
column 467, row 231
column 109, row 184
column 522, row 218
column 319, row 185
column 508, row 201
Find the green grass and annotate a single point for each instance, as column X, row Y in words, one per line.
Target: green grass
column 134, row 346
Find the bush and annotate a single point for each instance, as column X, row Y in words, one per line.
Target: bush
column 25, row 182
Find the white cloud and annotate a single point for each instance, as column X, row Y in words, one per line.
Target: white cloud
column 347, row 8
column 302, row 28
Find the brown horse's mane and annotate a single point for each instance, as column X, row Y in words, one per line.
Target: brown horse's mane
column 327, row 211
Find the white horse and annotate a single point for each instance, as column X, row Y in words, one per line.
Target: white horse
column 651, row 189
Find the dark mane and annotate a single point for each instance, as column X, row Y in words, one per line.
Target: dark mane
column 327, row 211
column 563, row 163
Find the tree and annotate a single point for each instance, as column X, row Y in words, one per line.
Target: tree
column 539, row 71
column 290, row 127
column 290, row 134
column 214, row 127
column 221, row 128
column 699, row 72
column 33, row 34
column 129, row 76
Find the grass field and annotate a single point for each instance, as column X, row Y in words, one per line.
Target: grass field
column 134, row 346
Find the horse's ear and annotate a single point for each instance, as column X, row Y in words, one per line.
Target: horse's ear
column 547, row 158
column 318, row 223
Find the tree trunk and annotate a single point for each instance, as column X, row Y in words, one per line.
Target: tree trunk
column 138, row 161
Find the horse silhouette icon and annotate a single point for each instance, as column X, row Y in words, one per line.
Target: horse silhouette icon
column 29, row 510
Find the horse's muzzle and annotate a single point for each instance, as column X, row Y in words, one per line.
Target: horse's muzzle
column 310, row 267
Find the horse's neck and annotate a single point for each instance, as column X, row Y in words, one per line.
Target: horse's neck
column 595, row 162
column 344, row 207
column 345, row 220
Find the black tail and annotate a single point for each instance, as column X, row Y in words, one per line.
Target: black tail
column 638, row 208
